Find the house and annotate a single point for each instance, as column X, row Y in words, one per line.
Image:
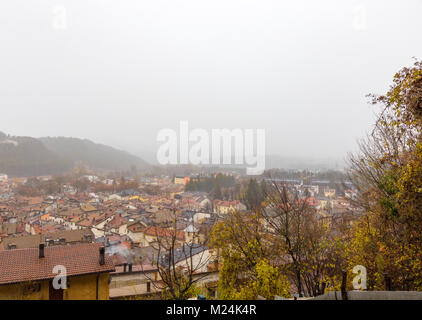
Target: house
column 115, row 197
column 224, row 207
column 27, row 274
column 329, row 193
column 205, row 205
column 118, row 225
column 108, row 182
column 134, row 280
column 181, row 180
column 99, row 222
column 190, row 256
column 8, row 228
column 88, row 208
column 191, row 233
column 351, row 194
column 90, row 178
column 200, row 217
column 131, row 280
column 153, row 233
column 134, row 231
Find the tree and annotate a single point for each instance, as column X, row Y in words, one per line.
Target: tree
column 251, row 265
column 217, row 191
column 267, row 281
column 287, row 235
column 254, row 195
column 179, row 272
column 388, row 171
column 306, row 239
column 81, row 184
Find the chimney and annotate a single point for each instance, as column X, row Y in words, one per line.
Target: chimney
column 124, row 267
column 130, row 267
column 102, row 260
column 41, row 250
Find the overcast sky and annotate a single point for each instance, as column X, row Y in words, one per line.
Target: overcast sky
column 117, row 72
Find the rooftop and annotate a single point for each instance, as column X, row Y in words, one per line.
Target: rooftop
column 25, row 265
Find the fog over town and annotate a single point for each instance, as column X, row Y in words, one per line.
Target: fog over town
column 118, row 72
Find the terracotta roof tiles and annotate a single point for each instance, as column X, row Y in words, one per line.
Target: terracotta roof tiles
column 25, row 265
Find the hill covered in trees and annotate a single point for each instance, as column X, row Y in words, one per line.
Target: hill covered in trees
column 26, row 156
column 21, row 156
column 93, row 155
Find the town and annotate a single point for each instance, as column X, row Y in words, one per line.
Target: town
column 134, row 219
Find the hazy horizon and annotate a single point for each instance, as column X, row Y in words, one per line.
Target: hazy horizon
column 117, row 73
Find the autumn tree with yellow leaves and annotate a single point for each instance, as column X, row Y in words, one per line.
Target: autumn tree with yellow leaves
column 250, row 264
column 387, row 240
column 283, row 247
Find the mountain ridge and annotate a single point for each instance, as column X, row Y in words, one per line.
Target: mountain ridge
column 28, row 156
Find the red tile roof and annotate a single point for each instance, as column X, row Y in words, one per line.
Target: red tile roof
column 117, row 221
column 163, row 232
column 24, row 264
